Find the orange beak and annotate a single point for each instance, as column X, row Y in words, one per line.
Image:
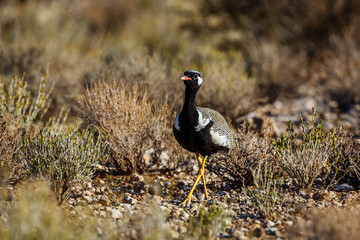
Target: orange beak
column 185, row 78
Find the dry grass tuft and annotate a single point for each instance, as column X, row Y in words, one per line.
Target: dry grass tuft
column 9, row 143
column 17, row 105
column 348, row 163
column 134, row 124
column 266, row 193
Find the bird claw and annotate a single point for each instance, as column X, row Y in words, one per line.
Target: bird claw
column 185, row 203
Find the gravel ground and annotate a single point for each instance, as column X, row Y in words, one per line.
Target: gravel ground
column 120, row 198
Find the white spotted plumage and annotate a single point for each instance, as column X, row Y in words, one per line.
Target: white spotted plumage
column 220, row 132
column 219, row 139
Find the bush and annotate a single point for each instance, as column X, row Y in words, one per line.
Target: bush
column 62, row 158
column 134, row 125
column 18, row 113
column 247, row 152
column 306, row 158
column 208, row 224
column 348, row 163
column 17, row 106
column 9, row 140
column 267, row 191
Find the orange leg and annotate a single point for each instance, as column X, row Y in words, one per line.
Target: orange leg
column 200, row 174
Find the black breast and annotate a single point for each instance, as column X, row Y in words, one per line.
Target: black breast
column 196, row 141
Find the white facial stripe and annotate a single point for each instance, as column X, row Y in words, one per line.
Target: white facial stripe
column 177, row 123
column 218, row 139
column 200, row 81
column 202, row 122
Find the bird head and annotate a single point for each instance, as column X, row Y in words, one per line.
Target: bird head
column 192, row 79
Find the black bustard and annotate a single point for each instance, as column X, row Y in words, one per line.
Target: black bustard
column 202, row 131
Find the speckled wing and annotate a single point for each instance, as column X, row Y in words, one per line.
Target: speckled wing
column 220, row 131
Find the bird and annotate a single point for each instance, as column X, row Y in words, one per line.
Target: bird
column 202, row 131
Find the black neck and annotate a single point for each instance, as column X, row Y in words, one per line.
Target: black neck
column 190, row 94
column 189, row 108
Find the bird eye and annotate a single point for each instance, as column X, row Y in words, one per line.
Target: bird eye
column 196, row 76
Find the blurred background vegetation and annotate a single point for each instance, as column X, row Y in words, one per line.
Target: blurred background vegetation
column 250, row 52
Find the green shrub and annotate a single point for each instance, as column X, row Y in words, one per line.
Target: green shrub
column 17, row 105
column 18, row 112
column 208, row 224
column 62, row 158
column 304, row 158
column 267, row 192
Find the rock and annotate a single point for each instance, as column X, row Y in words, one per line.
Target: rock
column 136, row 178
column 269, row 223
column 89, row 185
column 155, row 190
column 87, row 193
column 258, row 231
column 181, row 184
column 88, row 199
column 238, row 235
column 167, row 184
column 130, row 200
column 103, row 189
column 104, row 200
column 344, row 187
column 148, row 156
column 164, row 157
column 289, row 222
column 185, row 215
column 227, row 187
column 140, row 186
column 115, row 214
column 222, row 204
column 100, row 167
column 270, row 231
column 329, row 196
column 201, row 196
column 319, row 195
